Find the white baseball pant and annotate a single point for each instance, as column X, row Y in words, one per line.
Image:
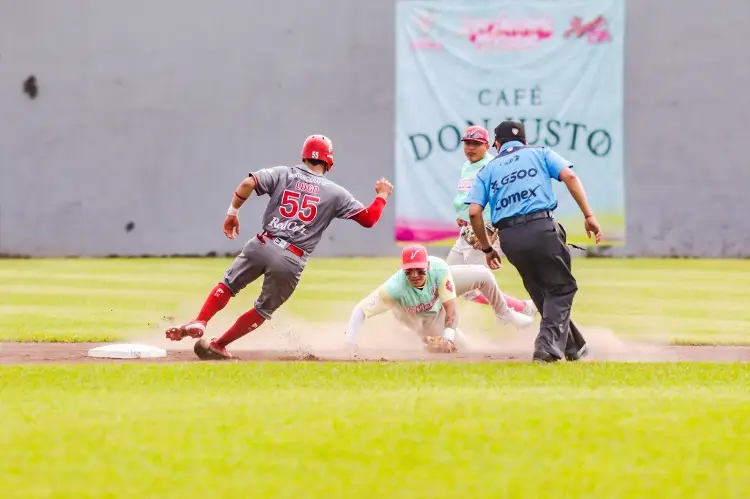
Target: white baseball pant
column 462, row 253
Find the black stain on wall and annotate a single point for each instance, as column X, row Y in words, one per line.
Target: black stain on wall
column 129, row 226
column 31, row 87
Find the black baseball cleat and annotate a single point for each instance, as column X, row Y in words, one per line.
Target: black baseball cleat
column 581, row 353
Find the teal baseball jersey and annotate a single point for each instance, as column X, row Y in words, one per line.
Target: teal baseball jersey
column 468, row 174
column 397, row 290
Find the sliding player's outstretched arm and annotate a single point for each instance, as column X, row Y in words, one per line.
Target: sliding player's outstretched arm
column 376, row 303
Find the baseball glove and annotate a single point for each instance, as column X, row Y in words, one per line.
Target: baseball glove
column 438, row 344
column 468, row 234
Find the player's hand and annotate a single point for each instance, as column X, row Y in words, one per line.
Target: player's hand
column 592, row 227
column 493, row 259
column 450, row 347
column 461, row 223
column 383, row 188
column 231, row 226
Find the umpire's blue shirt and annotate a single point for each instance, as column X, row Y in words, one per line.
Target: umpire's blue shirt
column 518, row 181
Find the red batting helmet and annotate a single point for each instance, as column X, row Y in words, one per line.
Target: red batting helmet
column 414, row 256
column 477, row 134
column 318, row 147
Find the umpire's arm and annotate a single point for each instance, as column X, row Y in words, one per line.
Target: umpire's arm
column 477, row 200
column 575, row 187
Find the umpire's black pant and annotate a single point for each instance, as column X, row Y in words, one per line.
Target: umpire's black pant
column 536, row 245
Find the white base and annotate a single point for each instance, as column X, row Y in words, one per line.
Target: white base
column 127, row 351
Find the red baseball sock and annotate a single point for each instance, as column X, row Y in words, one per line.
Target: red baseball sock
column 514, row 303
column 245, row 323
column 217, row 300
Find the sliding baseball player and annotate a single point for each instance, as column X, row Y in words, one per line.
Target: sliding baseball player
column 422, row 296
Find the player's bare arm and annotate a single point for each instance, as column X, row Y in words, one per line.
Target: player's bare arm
column 574, row 185
column 241, row 194
column 451, row 314
column 476, row 217
column 371, row 215
column 446, row 343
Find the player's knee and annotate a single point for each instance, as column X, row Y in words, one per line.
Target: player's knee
column 265, row 310
column 484, row 275
column 266, row 305
column 230, row 287
column 236, row 281
column 564, row 290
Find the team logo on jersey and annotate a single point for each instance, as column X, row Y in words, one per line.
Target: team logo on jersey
column 424, row 307
column 287, row 226
column 449, row 285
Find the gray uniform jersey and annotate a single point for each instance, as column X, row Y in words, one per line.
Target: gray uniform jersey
column 303, row 204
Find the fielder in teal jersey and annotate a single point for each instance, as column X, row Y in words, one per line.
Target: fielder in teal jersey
column 477, row 152
column 468, row 173
column 422, row 296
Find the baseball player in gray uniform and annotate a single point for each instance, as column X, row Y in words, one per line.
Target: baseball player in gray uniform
column 302, row 204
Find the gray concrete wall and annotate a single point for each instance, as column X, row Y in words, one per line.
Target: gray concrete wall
column 144, row 104
column 687, row 75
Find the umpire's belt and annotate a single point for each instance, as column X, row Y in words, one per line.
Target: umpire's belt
column 504, row 223
column 281, row 243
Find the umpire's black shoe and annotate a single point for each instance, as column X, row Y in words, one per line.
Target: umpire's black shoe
column 581, row 353
column 544, row 357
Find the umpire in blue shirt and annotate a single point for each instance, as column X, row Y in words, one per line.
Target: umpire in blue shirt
column 518, row 186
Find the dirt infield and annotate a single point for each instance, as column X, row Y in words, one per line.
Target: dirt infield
column 382, row 341
column 35, row 353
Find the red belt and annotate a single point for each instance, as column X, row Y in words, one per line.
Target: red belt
column 281, row 243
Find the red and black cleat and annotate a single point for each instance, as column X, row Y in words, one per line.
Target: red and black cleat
column 209, row 350
column 194, row 329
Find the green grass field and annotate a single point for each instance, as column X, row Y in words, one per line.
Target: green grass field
column 385, row 430
column 592, row 430
column 80, row 299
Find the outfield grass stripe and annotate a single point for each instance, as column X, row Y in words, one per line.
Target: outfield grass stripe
column 669, row 305
column 663, row 269
column 136, row 273
column 673, row 297
column 47, row 290
column 676, row 322
column 139, row 302
column 655, row 287
column 112, row 279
